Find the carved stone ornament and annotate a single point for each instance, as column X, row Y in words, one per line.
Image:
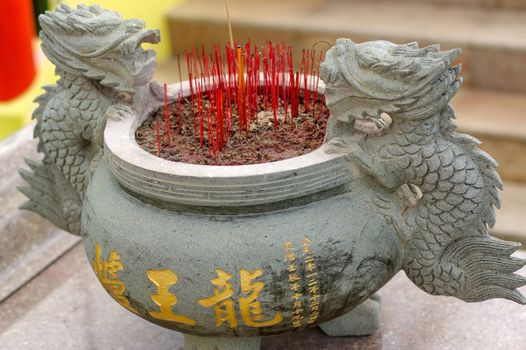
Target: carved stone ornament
column 229, row 254
column 103, row 71
column 392, row 120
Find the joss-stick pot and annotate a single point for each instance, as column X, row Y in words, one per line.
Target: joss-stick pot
column 186, row 227
column 227, row 254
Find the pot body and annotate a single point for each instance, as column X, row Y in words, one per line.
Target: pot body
column 262, row 273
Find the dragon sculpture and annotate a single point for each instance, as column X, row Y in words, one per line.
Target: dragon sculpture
column 392, row 119
column 103, row 71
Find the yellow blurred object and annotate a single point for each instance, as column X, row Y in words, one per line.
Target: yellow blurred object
column 152, row 12
column 16, row 113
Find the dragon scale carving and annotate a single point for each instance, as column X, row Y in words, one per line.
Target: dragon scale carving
column 102, row 69
column 391, row 118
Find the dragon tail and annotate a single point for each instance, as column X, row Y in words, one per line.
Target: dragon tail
column 486, row 272
column 471, row 264
column 489, row 268
column 49, row 193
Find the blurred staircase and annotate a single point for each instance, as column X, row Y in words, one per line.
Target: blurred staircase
column 492, row 33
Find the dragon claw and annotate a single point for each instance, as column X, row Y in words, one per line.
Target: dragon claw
column 345, row 146
column 339, row 145
column 119, row 112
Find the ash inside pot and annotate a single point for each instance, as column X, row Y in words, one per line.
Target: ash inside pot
column 195, row 137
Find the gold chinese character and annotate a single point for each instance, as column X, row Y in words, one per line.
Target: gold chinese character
column 313, row 318
column 293, row 278
column 309, row 258
column 306, row 245
column 297, row 296
column 292, row 267
column 295, row 287
column 108, row 274
column 291, row 256
column 288, row 245
column 312, row 277
column 221, row 300
column 313, row 289
column 250, row 307
column 164, row 279
column 297, row 320
column 310, row 267
column 315, row 307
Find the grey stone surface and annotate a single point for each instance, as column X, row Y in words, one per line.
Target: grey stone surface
column 221, row 343
column 65, row 308
column 362, row 320
column 28, row 243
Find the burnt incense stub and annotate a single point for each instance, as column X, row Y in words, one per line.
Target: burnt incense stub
column 228, row 254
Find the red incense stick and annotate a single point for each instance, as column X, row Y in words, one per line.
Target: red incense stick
column 166, row 116
column 158, row 136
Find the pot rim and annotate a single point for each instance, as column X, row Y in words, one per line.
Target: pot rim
column 209, row 185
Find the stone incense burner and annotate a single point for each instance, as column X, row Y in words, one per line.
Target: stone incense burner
column 228, row 254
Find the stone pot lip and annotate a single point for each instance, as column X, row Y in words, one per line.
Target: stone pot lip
column 166, row 182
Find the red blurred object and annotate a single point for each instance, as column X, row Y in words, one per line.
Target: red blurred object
column 17, row 66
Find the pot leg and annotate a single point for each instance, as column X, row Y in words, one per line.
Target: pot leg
column 193, row 342
column 362, row 320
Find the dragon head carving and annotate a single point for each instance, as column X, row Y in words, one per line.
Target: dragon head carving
column 365, row 80
column 100, row 45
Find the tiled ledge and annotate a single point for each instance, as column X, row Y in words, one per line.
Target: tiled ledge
column 28, row 243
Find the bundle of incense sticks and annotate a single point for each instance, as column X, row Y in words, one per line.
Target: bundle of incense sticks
column 247, row 80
